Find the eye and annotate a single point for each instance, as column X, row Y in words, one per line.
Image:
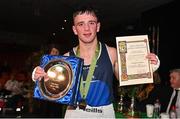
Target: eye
column 92, row 22
column 80, row 24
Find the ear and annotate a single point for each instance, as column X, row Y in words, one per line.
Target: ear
column 74, row 30
column 98, row 26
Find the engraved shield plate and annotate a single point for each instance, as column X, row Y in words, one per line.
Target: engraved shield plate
column 60, row 79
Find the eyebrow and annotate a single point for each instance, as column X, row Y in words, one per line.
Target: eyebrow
column 80, row 22
column 88, row 21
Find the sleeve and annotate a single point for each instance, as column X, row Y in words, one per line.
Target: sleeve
column 156, row 66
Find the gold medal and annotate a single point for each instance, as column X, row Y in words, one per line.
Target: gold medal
column 82, row 105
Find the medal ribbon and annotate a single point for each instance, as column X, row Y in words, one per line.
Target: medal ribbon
column 84, row 88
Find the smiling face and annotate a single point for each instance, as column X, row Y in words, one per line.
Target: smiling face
column 86, row 26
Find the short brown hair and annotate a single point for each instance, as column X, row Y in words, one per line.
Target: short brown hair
column 86, row 9
column 175, row 70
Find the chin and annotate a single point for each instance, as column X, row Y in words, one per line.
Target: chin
column 173, row 86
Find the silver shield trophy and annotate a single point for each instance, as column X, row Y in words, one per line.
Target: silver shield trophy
column 59, row 81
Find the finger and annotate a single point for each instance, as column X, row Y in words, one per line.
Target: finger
column 38, row 76
column 153, row 62
column 151, row 55
column 46, row 78
column 39, row 70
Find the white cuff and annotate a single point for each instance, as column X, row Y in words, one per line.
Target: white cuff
column 156, row 66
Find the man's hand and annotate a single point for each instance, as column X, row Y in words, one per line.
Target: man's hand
column 39, row 73
column 152, row 57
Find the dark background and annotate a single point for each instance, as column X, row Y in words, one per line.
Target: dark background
column 28, row 26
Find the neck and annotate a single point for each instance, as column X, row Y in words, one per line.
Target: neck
column 87, row 48
column 87, row 51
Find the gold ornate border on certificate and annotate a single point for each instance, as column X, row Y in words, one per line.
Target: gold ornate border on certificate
column 123, row 51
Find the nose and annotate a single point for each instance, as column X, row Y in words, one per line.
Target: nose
column 86, row 27
column 171, row 79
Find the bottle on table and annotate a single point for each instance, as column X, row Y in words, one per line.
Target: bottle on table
column 120, row 104
column 172, row 113
column 132, row 108
column 157, row 108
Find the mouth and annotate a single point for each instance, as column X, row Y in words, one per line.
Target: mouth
column 87, row 34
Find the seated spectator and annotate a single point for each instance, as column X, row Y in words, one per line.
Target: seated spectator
column 5, row 75
column 152, row 92
column 175, row 97
column 14, row 86
column 17, row 88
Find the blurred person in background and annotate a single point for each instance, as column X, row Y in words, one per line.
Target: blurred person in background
column 175, row 97
column 53, row 49
column 17, row 87
column 5, row 75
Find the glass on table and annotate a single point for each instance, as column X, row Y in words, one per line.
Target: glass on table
column 149, row 110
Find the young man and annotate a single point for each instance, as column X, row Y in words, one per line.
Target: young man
column 95, row 98
column 175, row 97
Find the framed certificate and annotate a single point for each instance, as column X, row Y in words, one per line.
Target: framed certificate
column 134, row 67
